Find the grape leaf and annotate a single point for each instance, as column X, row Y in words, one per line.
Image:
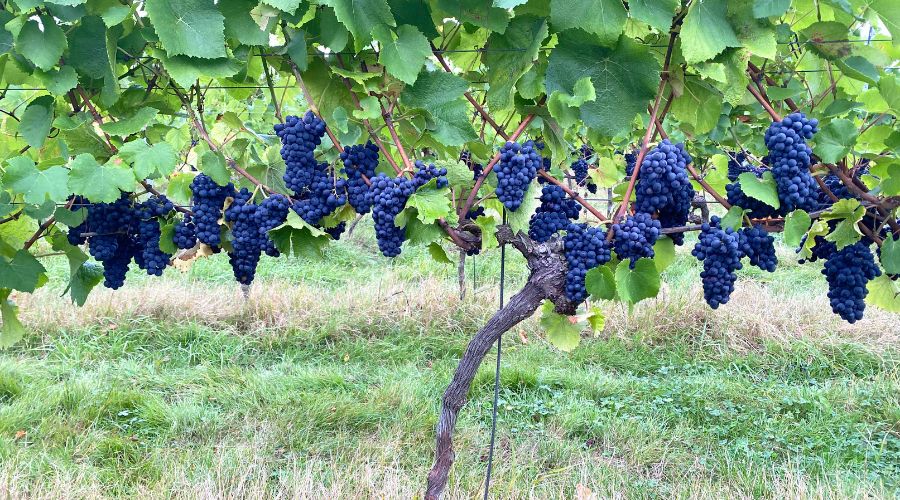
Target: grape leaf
column 822, row 38
column 288, row 6
column 835, row 140
column 663, row 253
column 133, row 124
column 87, row 276
column 562, row 331
column 193, row 28
column 434, row 88
column 43, row 48
column 37, row 186
column 889, row 12
column 476, row 12
column 99, row 184
column 884, row 293
column 764, row 189
column 770, row 8
column 890, row 255
column 859, row 68
column 706, row 31
column 88, row 50
column 213, row 165
column 849, row 212
column 185, row 70
column 488, row 226
column 416, row 13
column 111, row 11
column 656, row 13
column 404, row 55
column 796, row 224
column 11, row 331
column 438, row 253
column 60, row 81
column 296, row 237
column 451, row 125
column 604, row 18
column 361, row 17
column 505, row 66
column 620, row 95
column 601, row 283
column 431, row 204
column 37, row 120
column 889, row 88
column 635, row 285
column 22, row 272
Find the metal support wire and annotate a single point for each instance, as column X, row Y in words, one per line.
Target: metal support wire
column 490, row 464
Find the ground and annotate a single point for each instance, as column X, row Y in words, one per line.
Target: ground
column 326, row 383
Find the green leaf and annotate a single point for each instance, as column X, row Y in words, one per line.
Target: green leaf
column 213, row 165
column 822, row 35
column 476, row 12
column 111, row 11
column 239, row 25
column 635, row 285
column 884, row 293
column 764, row 189
column 60, row 81
column 193, row 28
column 288, row 6
column 186, row 70
column 889, row 88
column 859, row 68
column 132, row 124
column 512, row 55
column 755, row 35
column 404, row 56
column 36, row 186
column 562, row 332
column 83, row 280
column 796, row 224
column 434, row 88
column 296, row 237
column 451, row 125
column 22, row 272
column 361, row 17
column 600, row 283
column 889, row 12
column 332, row 33
column 296, row 50
column 733, row 218
column 849, row 212
column 431, row 203
column 99, row 184
column 620, row 95
column 699, row 106
column 518, row 220
column 438, row 254
column 835, row 140
column 608, row 172
column 89, row 51
column 663, row 253
column 604, row 18
column 656, row 13
column 488, row 226
column 595, row 319
column 11, row 331
column 36, row 121
column 179, row 188
column 418, row 233
column 890, row 255
column 706, row 31
column 43, row 48
column 416, row 13
column 770, row 8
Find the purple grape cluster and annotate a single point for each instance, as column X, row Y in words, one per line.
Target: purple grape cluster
column 585, row 248
column 791, row 158
column 720, row 252
column 208, row 200
column 389, row 196
column 634, row 238
column 359, row 162
column 554, row 214
column 738, row 164
column 185, row 233
column 299, row 138
column 848, row 271
column 663, row 186
column 758, row 246
column 516, row 168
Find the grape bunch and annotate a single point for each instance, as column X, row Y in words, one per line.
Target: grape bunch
column 516, row 168
column 757, row 208
column 272, row 212
column 663, row 186
column 634, row 238
column 738, row 164
column 630, row 161
column 580, row 169
column 719, row 250
column 151, row 258
column 185, row 233
column 299, row 138
column 248, row 241
column 585, row 248
column 359, row 162
column 425, row 173
column 208, row 199
column 321, row 196
column 389, row 196
column 465, row 156
column 758, row 246
column 790, row 157
column 848, row 271
column 587, row 154
column 554, row 214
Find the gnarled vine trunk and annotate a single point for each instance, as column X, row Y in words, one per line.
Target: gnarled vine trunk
column 546, row 281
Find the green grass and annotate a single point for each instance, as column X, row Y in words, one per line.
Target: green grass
column 344, row 402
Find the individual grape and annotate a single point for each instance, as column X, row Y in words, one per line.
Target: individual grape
column 248, row 241
column 663, row 186
column 516, row 168
column 719, row 251
column 554, row 214
column 389, row 196
column 848, row 271
column 185, row 233
column 299, row 138
column 208, row 201
column 790, row 157
column 634, row 238
column 585, row 248
column 359, row 162
column 759, row 246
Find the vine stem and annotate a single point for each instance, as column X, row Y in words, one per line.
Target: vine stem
column 271, row 86
column 756, row 72
column 590, row 208
column 389, row 121
column 312, row 106
column 764, row 102
column 478, row 107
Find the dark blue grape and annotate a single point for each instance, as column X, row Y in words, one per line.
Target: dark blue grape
column 580, row 169
column 208, row 200
column 634, row 238
column 360, row 162
column 389, row 196
column 516, row 168
column 151, row 258
column 115, row 268
column 790, row 158
column 759, row 246
column 663, row 186
column 185, row 233
column 299, row 138
column 738, row 164
column 554, row 214
column 248, row 241
column 585, row 248
column 848, row 271
column 719, row 250
column 424, row 173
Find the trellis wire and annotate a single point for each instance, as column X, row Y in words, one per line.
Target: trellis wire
column 490, row 464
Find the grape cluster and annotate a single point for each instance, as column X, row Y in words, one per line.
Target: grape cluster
column 790, row 157
column 758, row 246
column 663, row 186
column 208, row 199
column 634, row 238
column 719, row 250
column 425, row 173
column 185, row 233
column 517, row 167
column 389, row 196
column 738, row 164
column 630, row 161
column 585, row 248
column 359, row 162
column 580, row 169
column 848, row 271
column 151, row 258
column 554, row 214
column 757, row 208
column 477, row 168
column 272, row 212
column 321, row 196
column 587, row 154
column 299, row 138
column 247, row 240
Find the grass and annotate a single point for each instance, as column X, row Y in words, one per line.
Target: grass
column 325, row 383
